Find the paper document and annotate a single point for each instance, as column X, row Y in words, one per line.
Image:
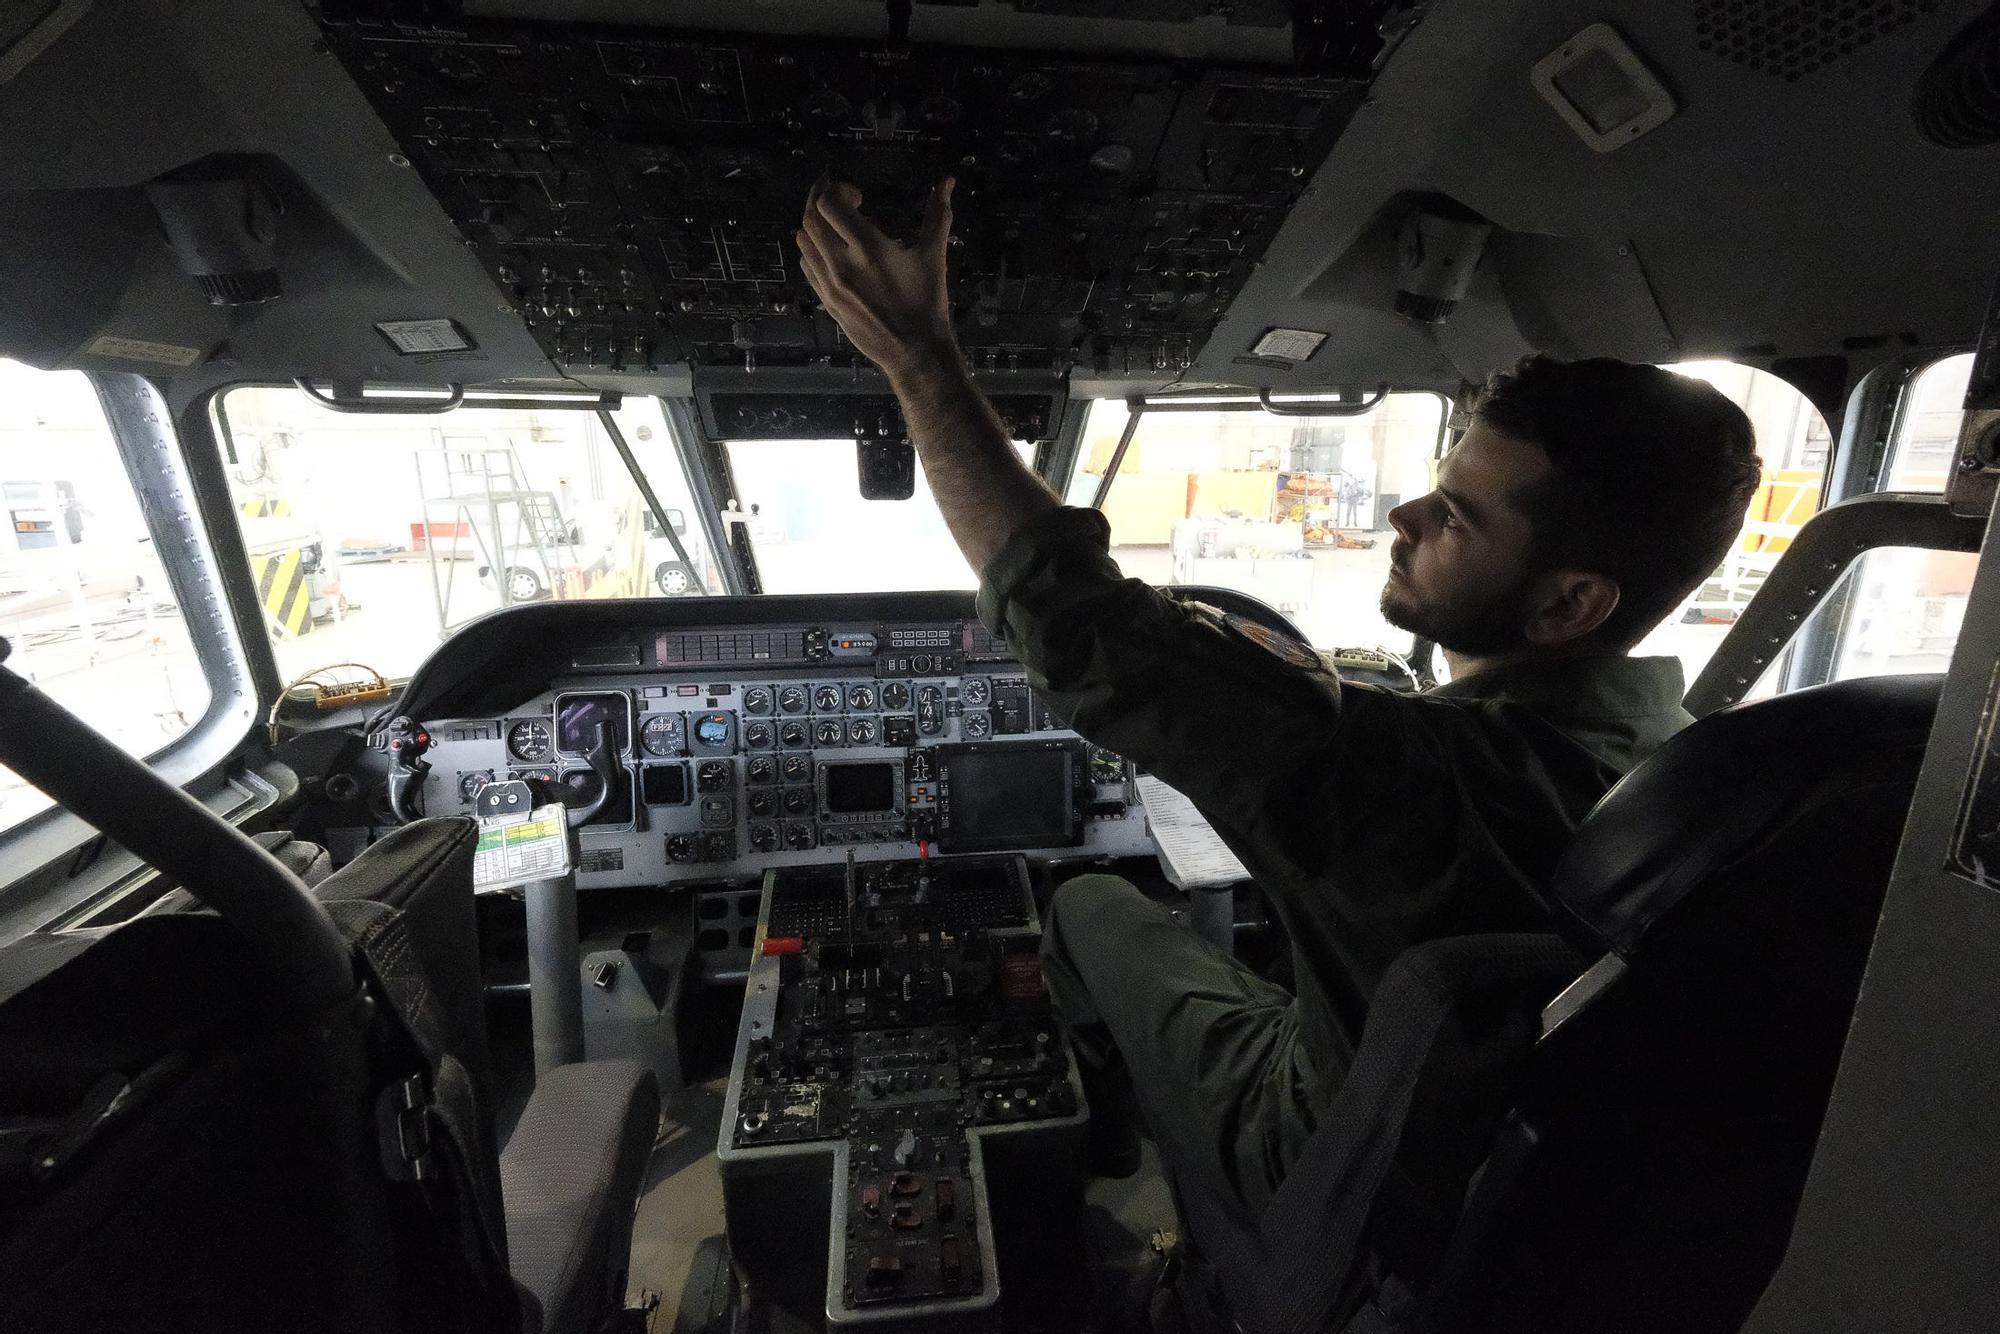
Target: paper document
column 1191, row 853
column 514, row 849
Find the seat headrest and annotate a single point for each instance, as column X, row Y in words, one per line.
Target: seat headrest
column 1723, row 787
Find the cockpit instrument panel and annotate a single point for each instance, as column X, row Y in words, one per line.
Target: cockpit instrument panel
column 742, row 747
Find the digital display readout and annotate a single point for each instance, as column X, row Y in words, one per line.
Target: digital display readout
column 859, row 789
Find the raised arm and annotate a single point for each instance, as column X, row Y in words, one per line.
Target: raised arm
column 892, row 302
column 1216, row 708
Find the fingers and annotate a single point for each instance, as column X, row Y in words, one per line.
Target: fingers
column 839, row 205
column 936, row 233
column 812, row 263
column 815, row 225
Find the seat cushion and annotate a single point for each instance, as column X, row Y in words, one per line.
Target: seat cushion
column 570, row 1181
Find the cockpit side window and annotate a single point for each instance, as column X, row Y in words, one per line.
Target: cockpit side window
column 1901, row 608
column 1796, row 446
column 90, row 613
column 371, row 536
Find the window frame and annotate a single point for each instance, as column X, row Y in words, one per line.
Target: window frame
column 55, row 864
column 1873, row 418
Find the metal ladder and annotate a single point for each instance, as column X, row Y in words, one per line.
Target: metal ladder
column 483, row 486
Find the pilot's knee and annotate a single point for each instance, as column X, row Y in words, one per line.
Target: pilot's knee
column 1080, row 903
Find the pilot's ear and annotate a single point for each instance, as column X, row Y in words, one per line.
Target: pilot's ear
column 1567, row 605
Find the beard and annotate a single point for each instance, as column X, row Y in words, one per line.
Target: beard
column 1492, row 625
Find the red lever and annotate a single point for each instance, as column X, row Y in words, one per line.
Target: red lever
column 784, row 945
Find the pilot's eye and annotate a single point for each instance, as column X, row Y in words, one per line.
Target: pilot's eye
column 1451, row 518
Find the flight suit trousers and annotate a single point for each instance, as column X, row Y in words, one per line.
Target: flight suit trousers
column 1211, row 1049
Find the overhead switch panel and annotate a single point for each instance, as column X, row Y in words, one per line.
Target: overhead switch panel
column 634, row 192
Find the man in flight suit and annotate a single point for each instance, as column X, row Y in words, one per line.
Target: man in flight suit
column 1584, row 503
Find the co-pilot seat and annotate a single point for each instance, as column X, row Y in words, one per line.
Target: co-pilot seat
column 570, row 1173
column 279, row 1115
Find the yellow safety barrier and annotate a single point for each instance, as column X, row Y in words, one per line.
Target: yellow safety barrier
column 266, row 507
column 281, row 588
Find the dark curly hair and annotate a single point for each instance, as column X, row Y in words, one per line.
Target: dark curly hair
column 1652, row 474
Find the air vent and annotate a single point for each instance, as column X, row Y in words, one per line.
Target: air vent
column 1792, row 38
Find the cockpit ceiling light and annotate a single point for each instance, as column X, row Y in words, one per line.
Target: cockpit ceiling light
column 413, row 338
column 1601, row 89
column 1295, row 345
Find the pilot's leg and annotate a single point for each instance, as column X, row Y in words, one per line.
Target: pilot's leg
column 1210, row 1047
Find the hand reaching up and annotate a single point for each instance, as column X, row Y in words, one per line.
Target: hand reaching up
column 888, row 297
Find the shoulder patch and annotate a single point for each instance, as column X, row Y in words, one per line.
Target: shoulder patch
column 1275, row 642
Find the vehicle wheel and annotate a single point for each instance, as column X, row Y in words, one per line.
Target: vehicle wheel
column 523, row 584
column 674, row 579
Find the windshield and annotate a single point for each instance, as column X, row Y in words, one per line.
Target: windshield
column 1291, row 510
column 372, row 536
column 814, row 533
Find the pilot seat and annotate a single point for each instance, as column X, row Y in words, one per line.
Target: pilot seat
column 1629, row 1155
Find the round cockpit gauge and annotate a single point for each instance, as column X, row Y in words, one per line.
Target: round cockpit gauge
column 712, row 730
column 792, row 699
column 793, row 734
column 860, row 699
column 862, row 731
column 758, row 736
column 978, row 725
column 797, row 767
column 530, row 742
column 662, row 734
column 757, row 699
column 895, row 695
column 826, row 699
column 975, row 691
column 829, row 733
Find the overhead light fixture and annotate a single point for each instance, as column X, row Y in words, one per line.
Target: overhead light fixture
column 416, row 338
column 1293, row 345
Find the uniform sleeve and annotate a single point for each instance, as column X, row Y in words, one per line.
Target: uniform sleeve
column 1225, row 711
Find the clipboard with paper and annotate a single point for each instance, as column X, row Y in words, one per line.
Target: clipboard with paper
column 1191, row 853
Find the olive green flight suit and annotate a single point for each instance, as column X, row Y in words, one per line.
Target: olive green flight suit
column 1372, row 822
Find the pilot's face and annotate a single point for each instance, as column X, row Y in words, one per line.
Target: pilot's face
column 1461, row 571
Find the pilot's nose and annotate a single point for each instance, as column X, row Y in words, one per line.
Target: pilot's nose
column 1403, row 520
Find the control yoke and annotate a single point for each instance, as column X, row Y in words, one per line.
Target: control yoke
column 409, row 739
column 603, row 761
column 554, row 953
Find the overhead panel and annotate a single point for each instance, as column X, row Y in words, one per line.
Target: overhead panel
column 634, row 192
